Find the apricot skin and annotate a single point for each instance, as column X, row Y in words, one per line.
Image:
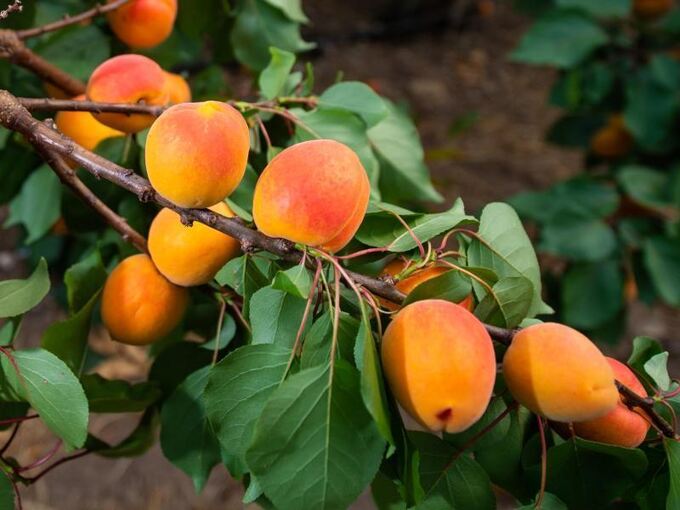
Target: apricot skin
column 190, row 255
column 143, row 23
column 439, row 362
column 557, row 372
column 83, row 128
column 177, row 88
column 612, row 140
column 196, row 153
column 127, row 79
column 315, row 193
column 139, row 306
column 621, row 426
column 409, row 283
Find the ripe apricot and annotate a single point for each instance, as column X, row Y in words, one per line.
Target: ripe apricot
column 439, row 362
column 177, row 87
column 621, row 426
column 143, row 23
column 651, row 9
column 409, row 283
column 128, row 79
column 315, row 193
column 189, row 255
column 557, row 372
column 83, row 128
column 196, row 153
column 612, row 140
column 139, row 306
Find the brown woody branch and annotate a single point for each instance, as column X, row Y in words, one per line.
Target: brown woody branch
column 14, row 50
column 71, row 20
column 14, row 116
column 646, row 405
column 70, row 105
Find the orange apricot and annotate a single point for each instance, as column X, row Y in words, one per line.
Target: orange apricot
column 128, row 79
column 196, row 153
column 612, row 140
column 83, row 128
column 143, row 23
column 315, row 193
column 557, row 372
column 190, row 255
column 139, row 305
column 177, row 87
column 409, row 283
column 440, row 365
column 651, row 9
column 621, row 426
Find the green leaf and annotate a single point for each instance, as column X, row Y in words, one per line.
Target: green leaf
column 7, row 499
column 238, row 389
column 662, row 260
column 450, row 480
column 67, row 339
column 19, row 296
column 508, row 304
column 507, row 250
column 187, row 439
column 273, row 77
column 580, row 241
column 450, row 286
column 404, row 175
column 83, row 280
column 76, row 50
column 592, row 294
column 258, row 26
column 53, row 391
column 673, row 453
column 491, row 438
column 657, row 368
column 549, row 502
column 645, row 186
column 386, row 495
column 316, row 349
column 356, row 97
column 560, row 38
column 37, row 206
column 384, row 229
column 227, row 334
column 296, row 281
column 291, row 8
column 113, row 396
column 644, row 348
column 313, row 446
column 600, row 9
column 275, row 317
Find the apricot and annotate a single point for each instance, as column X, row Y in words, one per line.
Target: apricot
column 143, row 23
column 406, row 285
column 139, row 305
column 557, row 372
column 612, row 140
column 83, row 128
column 190, row 255
column 651, row 9
column 196, row 153
column 621, row 426
column 128, row 79
column 177, row 87
column 440, row 365
column 54, row 91
column 315, row 193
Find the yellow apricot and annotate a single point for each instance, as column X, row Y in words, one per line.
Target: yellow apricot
column 440, row 365
column 177, row 88
column 190, row 255
column 83, row 128
column 139, row 305
column 557, row 372
column 143, row 23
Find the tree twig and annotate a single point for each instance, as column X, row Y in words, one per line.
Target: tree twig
column 646, row 405
column 70, row 105
column 71, row 20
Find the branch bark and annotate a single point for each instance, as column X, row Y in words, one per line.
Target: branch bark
column 70, row 105
column 646, row 405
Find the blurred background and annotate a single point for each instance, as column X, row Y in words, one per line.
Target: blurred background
column 485, row 120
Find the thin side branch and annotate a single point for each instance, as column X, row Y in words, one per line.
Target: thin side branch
column 646, row 405
column 71, row 20
column 69, row 105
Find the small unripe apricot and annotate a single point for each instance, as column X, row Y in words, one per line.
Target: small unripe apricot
column 409, row 283
column 128, row 79
column 178, row 89
column 651, row 9
column 315, row 193
column 621, row 426
column 439, row 362
column 139, row 306
column 83, row 128
column 612, row 140
column 190, row 255
column 143, row 23
column 196, row 153
column 557, row 372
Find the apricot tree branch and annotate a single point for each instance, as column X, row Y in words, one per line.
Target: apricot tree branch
column 646, row 405
column 69, row 105
column 13, row 49
column 71, row 20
